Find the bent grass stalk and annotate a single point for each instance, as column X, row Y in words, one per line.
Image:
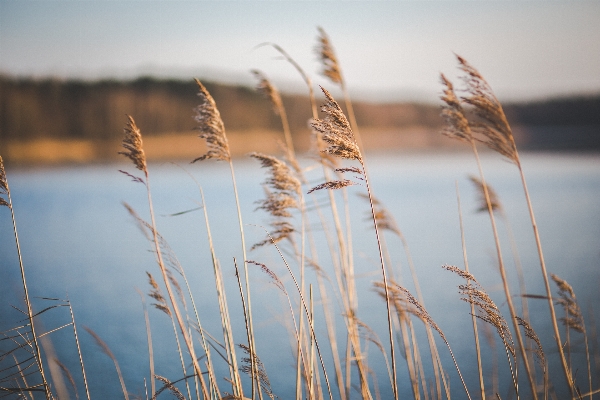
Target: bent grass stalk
column 499, row 137
column 336, row 131
column 212, row 130
column 5, row 190
column 473, row 316
column 460, row 128
column 134, row 151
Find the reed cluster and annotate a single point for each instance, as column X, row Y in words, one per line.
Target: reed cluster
column 332, row 359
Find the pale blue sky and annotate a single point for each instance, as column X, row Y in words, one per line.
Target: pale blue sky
column 387, row 49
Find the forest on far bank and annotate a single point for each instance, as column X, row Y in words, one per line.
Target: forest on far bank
column 34, row 109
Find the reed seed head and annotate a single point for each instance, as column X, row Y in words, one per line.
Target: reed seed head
column 573, row 318
column 326, row 54
column 530, row 333
column 211, row 127
column 494, row 200
column 269, row 91
column 155, row 293
column 335, row 130
column 260, row 370
column 170, row 386
column 132, row 142
column 383, row 217
column 457, row 124
column 474, row 294
column 332, row 185
column 281, row 176
column 492, row 123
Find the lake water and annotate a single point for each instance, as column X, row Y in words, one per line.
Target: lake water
column 77, row 239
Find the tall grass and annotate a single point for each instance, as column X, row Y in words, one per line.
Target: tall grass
column 298, row 210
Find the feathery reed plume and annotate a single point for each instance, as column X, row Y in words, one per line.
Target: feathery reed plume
column 538, row 351
column 457, row 125
column 326, row 54
column 272, row 94
column 106, row 350
column 335, row 130
column 493, row 197
column 133, row 145
column 168, row 385
column 487, row 311
column 265, row 87
column 573, row 318
column 492, row 124
column 385, row 220
column 211, row 127
column 161, row 302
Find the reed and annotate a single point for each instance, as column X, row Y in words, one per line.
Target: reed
column 339, row 159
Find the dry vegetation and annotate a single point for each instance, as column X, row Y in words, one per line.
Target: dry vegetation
column 335, row 365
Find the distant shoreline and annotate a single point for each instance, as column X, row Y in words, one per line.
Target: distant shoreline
column 187, row 145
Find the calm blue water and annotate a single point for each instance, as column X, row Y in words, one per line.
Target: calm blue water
column 77, row 239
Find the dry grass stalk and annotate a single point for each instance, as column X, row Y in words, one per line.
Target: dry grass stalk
column 68, row 374
column 148, row 339
column 5, row 191
column 498, row 135
column 162, row 305
column 106, row 350
column 229, row 343
column 328, row 162
column 308, row 316
column 473, row 317
column 85, row 383
column 461, row 128
column 335, row 130
column 158, row 252
column 212, row 130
